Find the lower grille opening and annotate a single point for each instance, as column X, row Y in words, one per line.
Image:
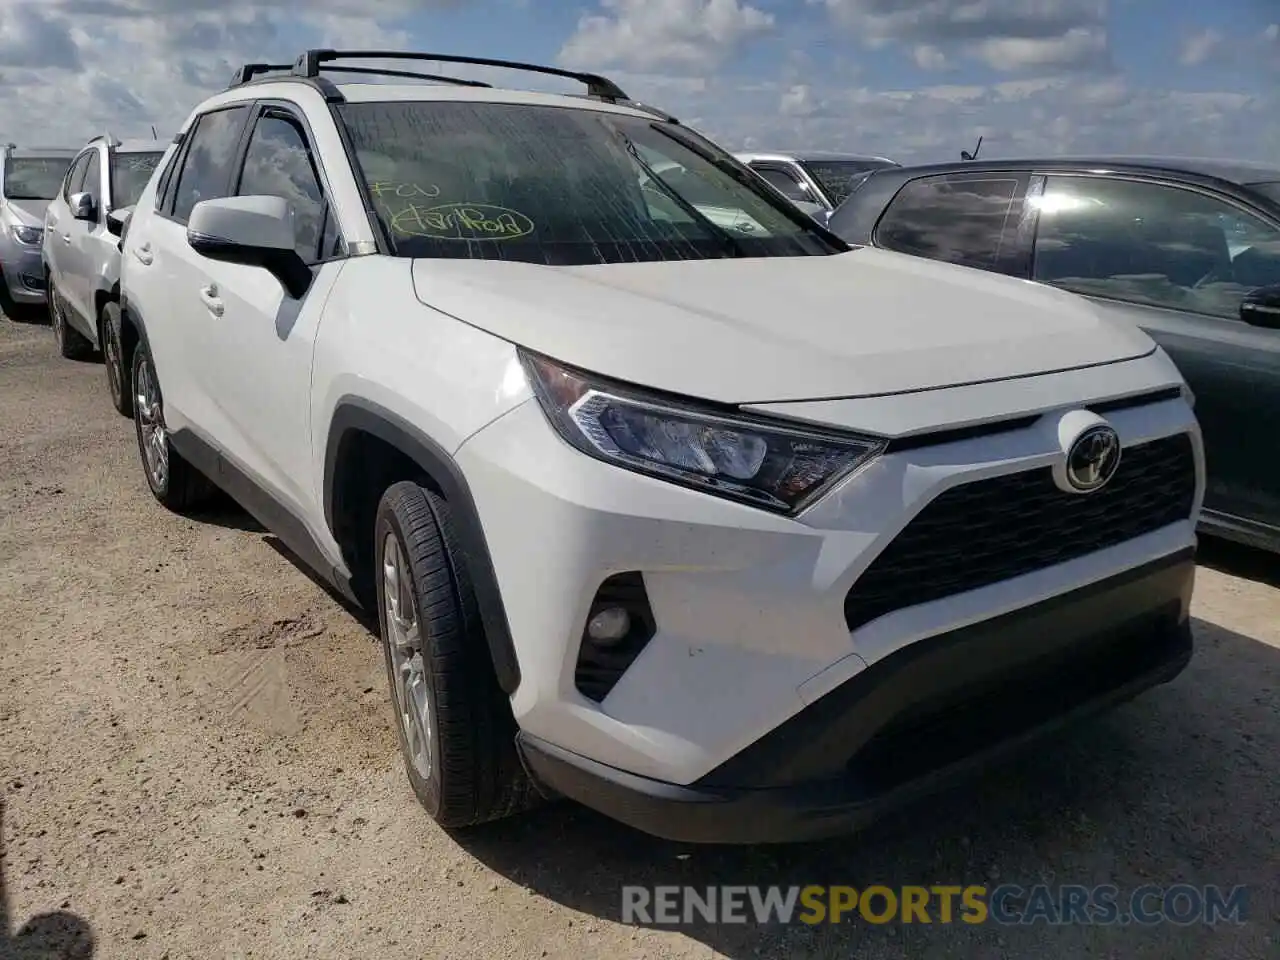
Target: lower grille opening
column 988, row 531
column 601, row 665
column 940, row 733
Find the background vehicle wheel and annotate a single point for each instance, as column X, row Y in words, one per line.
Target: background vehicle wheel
column 453, row 721
column 72, row 344
column 173, row 481
column 118, row 379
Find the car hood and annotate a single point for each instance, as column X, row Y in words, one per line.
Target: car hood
column 29, row 212
column 862, row 323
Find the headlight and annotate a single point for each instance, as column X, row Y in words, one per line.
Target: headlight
column 30, row 236
column 775, row 467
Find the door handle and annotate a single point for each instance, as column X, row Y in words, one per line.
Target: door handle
column 211, row 300
column 143, row 253
column 66, row 238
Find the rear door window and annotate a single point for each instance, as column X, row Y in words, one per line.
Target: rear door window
column 966, row 219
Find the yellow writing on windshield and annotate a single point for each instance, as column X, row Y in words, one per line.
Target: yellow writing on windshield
column 406, row 191
column 462, row 221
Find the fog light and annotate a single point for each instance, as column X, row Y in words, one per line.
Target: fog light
column 609, row 625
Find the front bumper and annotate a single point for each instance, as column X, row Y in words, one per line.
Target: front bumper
column 23, row 270
column 932, row 713
column 750, row 610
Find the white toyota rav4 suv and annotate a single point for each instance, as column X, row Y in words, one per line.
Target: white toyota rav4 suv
column 734, row 533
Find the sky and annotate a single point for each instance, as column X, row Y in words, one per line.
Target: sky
column 914, row 80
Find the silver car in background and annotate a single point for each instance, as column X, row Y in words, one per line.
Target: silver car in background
column 32, row 177
column 817, row 181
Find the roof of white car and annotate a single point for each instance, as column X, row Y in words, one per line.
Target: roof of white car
column 407, row 92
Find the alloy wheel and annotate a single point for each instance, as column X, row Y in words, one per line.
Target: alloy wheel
column 150, row 413
column 405, row 643
column 55, row 317
column 111, row 350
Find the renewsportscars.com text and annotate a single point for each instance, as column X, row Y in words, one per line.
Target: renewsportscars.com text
column 1064, row 904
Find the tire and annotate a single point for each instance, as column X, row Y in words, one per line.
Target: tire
column 471, row 773
column 119, row 383
column 72, row 344
column 8, row 305
column 179, row 486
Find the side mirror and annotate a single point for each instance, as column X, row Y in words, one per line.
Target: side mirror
column 83, row 207
column 253, row 231
column 1261, row 307
column 117, row 219
column 813, row 209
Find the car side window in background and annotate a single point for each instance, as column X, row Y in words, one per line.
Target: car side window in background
column 93, row 176
column 278, row 163
column 785, row 182
column 75, row 177
column 1152, row 244
column 969, row 220
column 206, row 170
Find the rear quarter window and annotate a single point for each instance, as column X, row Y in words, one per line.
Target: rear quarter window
column 966, row 220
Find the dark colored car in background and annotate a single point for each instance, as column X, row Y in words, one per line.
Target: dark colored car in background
column 1189, row 250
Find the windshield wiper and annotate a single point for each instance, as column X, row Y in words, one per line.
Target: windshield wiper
column 731, row 245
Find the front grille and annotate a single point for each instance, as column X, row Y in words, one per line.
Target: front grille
column 988, row 531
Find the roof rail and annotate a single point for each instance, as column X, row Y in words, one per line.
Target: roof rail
column 375, row 71
column 250, row 70
column 311, row 62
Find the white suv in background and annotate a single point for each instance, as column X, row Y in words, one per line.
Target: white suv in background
column 734, row 534
column 83, row 224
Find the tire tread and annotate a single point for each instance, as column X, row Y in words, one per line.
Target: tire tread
column 482, row 777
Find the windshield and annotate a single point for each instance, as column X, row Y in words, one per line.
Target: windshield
column 838, row 178
column 34, row 178
column 130, row 173
column 562, row 187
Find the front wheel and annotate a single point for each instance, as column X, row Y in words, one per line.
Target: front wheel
column 453, row 722
column 172, row 480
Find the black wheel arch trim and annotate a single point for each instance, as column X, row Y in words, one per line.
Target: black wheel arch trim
column 357, row 414
column 128, row 309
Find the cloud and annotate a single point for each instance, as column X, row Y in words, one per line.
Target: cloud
column 1005, row 34
column 1200, row 46
column 1032, row 116
column 29, row 37
column 768, row 72
column 643, row 34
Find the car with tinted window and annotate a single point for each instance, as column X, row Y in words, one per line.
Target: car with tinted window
column 1186, row 249
column 32, row 178
column 83, row 224
column 642, row 524
column 817, row 181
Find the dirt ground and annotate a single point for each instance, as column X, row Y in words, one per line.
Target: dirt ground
column 198, row 762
